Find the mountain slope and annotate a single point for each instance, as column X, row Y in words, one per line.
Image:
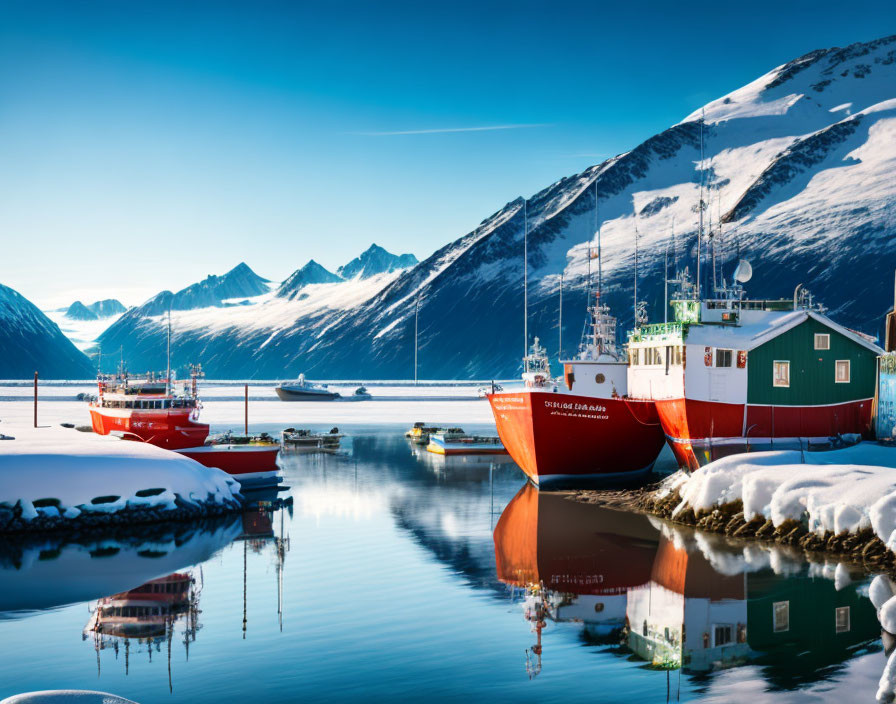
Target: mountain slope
column 797, row 173
column 29, row 342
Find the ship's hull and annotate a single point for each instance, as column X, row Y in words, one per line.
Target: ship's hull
column 170, row 428
column 248, row 464
column 559, row 437
column 287, row 394
column 702, row 431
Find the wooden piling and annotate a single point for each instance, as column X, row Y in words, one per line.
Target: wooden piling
column 35, row 399
column 245, row 410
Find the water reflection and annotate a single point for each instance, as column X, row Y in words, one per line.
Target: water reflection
column 39, row 573
column 677, row 599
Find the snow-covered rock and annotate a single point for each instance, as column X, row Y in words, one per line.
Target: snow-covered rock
column 59, row 473
column 30, row 341
column 838, row 491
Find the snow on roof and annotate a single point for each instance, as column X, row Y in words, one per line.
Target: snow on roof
column 759, row 326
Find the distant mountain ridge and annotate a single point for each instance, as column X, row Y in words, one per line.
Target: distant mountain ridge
column 797, row 176
column 95, row 311
column 239, row 282
column 375, row 260
column 311, row 273
column 30, row 342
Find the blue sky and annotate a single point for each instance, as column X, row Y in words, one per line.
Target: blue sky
column 144, row 146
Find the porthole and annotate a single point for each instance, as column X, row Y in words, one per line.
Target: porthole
column 600, row 378
column 599, row 606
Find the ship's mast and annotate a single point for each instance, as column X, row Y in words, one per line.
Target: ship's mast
column 168, row 357
column 560, row 323
column 700, row 228
column 636, row 274
column 525, row 278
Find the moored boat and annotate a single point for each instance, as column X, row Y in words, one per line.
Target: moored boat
column 309, row 440
column 447, row 443
column 250, row 459
column 732, row 374
column 149, row 409
column 586, row 426
column 303, row 390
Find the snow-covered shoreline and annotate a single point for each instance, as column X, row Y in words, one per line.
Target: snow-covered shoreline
column 53, row 477
column 841, row 501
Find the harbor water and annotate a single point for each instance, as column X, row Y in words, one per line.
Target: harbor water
column 398, row 575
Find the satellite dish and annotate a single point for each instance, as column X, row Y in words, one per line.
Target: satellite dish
column 743, row 272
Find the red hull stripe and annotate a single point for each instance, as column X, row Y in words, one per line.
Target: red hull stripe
column 235, row 461
column 687, row 422
column 551, row 435
column 171, row 429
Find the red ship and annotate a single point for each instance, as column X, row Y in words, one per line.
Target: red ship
column 585, row 426
column 148, row 409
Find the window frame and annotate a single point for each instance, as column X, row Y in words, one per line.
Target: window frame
column 842, row 610
column 786, row 627
column 837, row 379
column 827, row 338
column 775, row 364
column 715, row 358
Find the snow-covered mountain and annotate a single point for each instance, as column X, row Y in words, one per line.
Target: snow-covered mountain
column 30, row 342
column 238, row 283
column 373, row 261
column 311, row 273
column 95, row 311
column 798, row 171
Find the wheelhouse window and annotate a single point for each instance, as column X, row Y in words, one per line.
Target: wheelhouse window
column 841, row 619
column 841, row 373
column 781, row 616
column 822, row 341
column 782, row 373
column 723, row 358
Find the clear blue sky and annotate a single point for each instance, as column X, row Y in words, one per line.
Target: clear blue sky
column 146, row 145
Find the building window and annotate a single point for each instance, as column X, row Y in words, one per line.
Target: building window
column 723, row 634
column 723, row 358
column 822, row 341
column 841, row 375
column 841, row 619
column 781, row 616
column 782, row 373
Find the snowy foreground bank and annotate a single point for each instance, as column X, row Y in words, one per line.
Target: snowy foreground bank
column 52, row 476
column 842, row 500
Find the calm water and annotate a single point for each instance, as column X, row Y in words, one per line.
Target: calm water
column 394, row 576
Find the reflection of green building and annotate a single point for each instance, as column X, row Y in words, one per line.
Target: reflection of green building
column 799, row 625
column 796, row 626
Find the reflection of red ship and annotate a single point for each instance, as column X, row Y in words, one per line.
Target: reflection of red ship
column 148, row 409
column 568, row 546
column 576, row 561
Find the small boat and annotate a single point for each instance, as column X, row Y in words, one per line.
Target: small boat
column 449, row 443
column 361, row 394
column 302, row 390
column 307, row 439
column 421, row 433
column 485, row 391
column 250, row 459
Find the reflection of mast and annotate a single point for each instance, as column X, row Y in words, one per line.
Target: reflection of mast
column 282, row 547
column 536, row 616
column 245, row 553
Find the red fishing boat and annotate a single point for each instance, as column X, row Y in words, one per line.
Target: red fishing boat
column 584, row 426
column 149, row 409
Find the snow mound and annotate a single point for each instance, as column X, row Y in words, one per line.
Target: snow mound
column 838, row 491
column 58, row 473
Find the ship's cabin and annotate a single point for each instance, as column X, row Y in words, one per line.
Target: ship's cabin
column 116, row 400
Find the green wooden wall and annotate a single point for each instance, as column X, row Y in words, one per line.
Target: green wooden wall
column 811, row 370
